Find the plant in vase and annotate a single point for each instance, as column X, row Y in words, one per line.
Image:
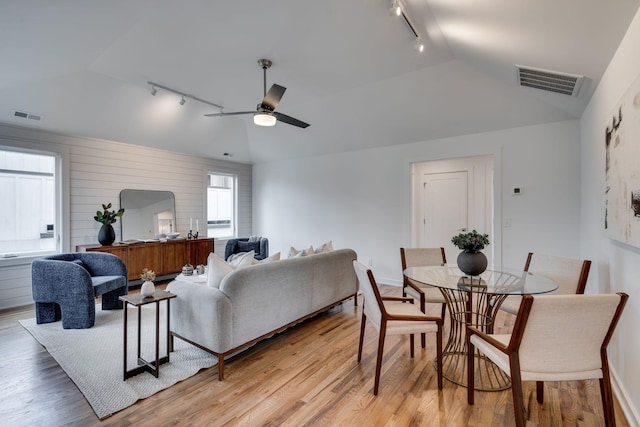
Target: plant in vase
column 107, row 235
column 147, row 288
column 471, row 261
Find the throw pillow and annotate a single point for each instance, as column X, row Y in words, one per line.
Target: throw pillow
column 294, row 253
column 325, row 247
column 217, row 269
column 271, row 258
column 242, row 259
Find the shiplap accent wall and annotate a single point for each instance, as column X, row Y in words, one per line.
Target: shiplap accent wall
column 99, row 170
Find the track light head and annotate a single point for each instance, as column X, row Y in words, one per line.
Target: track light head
column 182, row 101
column 419, row 45
column 396, row 8
column 153, row 91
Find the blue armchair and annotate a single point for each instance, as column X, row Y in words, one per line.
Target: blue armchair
column 66, row 285
column 260, row 245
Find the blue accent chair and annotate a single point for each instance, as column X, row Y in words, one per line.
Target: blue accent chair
column 65, row 286
column 242, row 244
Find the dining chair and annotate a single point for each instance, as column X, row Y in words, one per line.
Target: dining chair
column 393, row 316
column 415, row 257
column 570, row 274
column 555, row 338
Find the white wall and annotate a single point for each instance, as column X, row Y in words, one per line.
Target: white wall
column 362, row 199
column 98, row 170
column 616, row 266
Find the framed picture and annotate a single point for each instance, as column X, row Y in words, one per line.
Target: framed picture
column 622, row 189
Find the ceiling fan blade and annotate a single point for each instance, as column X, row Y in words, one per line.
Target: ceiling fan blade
column 235, row 113
column 272, row 98
column 290, row 120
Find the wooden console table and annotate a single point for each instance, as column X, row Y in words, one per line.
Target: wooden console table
column 165, row 258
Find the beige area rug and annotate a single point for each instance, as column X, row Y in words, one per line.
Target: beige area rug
column 93, row 357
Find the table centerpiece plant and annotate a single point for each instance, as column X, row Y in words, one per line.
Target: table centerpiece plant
column 107, row 235
column 471, row 260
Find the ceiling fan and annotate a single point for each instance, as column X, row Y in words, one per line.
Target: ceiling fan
column 265, row 114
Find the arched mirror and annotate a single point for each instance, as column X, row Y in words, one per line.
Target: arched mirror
column 147, row 213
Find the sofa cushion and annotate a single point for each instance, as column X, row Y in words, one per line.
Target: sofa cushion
column 104, row 284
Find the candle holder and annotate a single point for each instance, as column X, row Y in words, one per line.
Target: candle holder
column 192, row 235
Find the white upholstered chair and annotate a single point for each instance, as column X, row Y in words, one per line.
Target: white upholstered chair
column 393, row 316
column 414, row 257
column 555, row 338
column 571, row 275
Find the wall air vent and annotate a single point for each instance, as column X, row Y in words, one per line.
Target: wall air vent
column 552, row 81
column 25, row 115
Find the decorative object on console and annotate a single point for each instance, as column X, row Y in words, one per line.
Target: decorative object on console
column 147, row 289
column 471, row 261
column 107, row 235
column 187, row 270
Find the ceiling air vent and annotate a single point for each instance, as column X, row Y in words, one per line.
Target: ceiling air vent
column 552, row 81
column 25, row 115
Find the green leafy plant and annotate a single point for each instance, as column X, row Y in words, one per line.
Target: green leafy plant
column 107, row 216
column 471, row 242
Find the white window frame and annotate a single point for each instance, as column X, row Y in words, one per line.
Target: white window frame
column 61, row 185
column 234, row 202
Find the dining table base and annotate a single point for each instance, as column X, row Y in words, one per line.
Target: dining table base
column 476, row 308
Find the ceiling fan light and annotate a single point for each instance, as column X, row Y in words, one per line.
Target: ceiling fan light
column 264, row 119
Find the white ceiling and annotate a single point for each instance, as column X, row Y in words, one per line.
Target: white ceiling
column 349, row 68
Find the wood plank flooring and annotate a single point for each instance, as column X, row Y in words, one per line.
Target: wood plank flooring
column 307, row 375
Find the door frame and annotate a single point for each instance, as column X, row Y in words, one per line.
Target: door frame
column 482, row 175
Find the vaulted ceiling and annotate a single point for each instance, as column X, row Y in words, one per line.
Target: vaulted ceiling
column 350, row 69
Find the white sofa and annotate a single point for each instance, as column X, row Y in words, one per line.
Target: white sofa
column 253, row 303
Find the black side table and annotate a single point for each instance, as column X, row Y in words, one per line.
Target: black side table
column 138, row 300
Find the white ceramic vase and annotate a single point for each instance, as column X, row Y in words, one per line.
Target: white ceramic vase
column 147, row 289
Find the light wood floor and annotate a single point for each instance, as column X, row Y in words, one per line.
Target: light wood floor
column 307, row 375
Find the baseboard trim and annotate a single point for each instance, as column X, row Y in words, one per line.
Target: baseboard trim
column 630, row 412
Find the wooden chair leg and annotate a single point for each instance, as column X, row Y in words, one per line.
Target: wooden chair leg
column 439, row 355
column 470, row 372
column 516, row 390
column 540, row 391
column 383, row 331
column 411, row 340
column 362, row 325
column 607, row 395
column 423, row 336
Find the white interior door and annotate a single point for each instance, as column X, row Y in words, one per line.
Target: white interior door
column 451, row 195
column 445, row 210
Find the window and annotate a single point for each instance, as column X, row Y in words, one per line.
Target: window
column 28, row 221
column 221, row 206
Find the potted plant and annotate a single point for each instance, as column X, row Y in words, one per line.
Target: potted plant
column 107, row 235
column 471, row 261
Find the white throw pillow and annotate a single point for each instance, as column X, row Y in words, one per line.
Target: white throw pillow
column 271, row 258
column 325, row 247
column 294, row 253
column 242, row 259
column 217, row 269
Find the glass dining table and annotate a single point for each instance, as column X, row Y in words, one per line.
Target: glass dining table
column 475, row 301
